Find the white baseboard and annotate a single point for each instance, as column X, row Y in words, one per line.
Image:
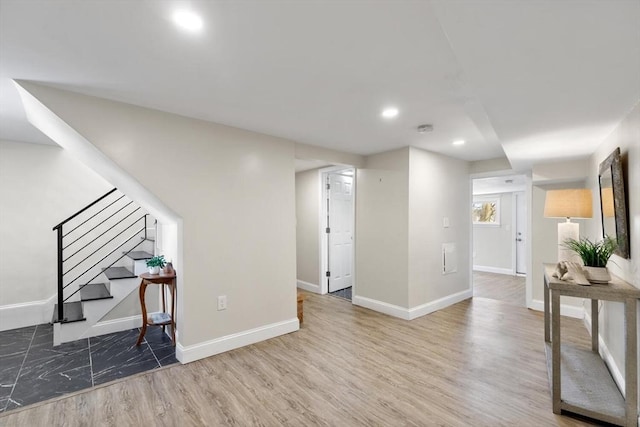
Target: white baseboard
column 382, row 307
column 414, row 312
column 496, row 270
column 607, row 357
column 191, row 353
column 26, row 314
column 565, row 310
column 439, row 304
column 309, row 286
column 115, row 325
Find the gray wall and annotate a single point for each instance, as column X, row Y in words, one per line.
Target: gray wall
column 493, row 244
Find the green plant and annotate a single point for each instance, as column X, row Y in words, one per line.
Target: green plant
column 156, row 261
column 593, row 254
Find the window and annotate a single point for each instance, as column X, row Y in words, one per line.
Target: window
column 486, row 211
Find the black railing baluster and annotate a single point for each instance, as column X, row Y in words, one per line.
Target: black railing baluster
column 60, row 284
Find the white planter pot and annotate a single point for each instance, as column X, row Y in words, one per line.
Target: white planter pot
column 597, row 274
column 154, row 270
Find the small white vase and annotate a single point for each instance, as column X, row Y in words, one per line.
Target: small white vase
column 154, row 270
column 597, row 274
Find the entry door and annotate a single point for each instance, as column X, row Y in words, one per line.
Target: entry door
column 340, row 235
column 521, row 233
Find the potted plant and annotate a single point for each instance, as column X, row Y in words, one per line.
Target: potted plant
column 595, row 256
column 155, row 264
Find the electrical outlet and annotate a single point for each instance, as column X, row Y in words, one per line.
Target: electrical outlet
column 222, row 302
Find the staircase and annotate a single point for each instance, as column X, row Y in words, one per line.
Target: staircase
column 102, row 249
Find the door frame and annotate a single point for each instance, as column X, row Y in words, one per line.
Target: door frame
column 528, row 197
column 514, row 236
column 322, row 222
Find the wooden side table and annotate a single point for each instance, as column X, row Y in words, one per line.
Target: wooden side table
column 164, row 318
column 580, row 380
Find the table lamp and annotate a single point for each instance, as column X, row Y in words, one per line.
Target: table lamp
column 568, row 203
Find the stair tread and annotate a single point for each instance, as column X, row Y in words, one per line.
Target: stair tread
column 139, row 255
column 94, row 291
column 118, row 273
column 72, row 312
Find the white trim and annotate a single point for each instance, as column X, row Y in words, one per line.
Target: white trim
column 497, row 270
column 414, row 312
column 381, row 307
column 115, row 325
column 439, row 304
column 311, row 287
column 215, row 346
column 13, row 316
column 565, row 310
column 607, row 357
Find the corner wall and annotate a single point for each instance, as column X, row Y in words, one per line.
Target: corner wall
column 233, row 191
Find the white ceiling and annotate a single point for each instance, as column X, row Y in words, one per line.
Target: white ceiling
column 499, row 184
column 536, row 80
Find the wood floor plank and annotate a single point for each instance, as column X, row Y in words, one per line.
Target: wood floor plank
column 478, row 363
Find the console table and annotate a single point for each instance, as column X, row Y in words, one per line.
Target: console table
column 580, row 380
column 161, row 319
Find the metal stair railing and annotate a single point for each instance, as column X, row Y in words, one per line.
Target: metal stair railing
column 109, row 240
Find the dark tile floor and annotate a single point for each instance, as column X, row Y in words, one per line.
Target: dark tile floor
column 342, row 293
column 33, row 370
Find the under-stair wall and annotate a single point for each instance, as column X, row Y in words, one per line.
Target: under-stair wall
column 102, row 249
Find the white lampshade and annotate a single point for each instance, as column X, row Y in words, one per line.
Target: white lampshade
column 570, row 203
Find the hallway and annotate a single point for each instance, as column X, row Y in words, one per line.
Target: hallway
column 500, row 287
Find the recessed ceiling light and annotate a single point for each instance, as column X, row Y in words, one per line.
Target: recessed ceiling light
column 187, row 20
column 390, row 112
column 459, row 142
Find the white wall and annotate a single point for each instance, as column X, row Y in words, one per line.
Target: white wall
column 493, row 244
column 233, row 191
column 439, row 187
column 627, row 137
column 382, row 232
column 308, row 193
column 40, row 186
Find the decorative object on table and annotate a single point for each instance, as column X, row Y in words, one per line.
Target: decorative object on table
column 568, row 203
column 595, row 256
column 155, row 264
column 568, row 270
column 612, row 203
column 168, row 268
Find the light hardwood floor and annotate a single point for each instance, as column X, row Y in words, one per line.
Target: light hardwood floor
column 501, row 287
column 478, row 363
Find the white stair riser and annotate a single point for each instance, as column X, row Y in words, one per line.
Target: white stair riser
column 96, row 310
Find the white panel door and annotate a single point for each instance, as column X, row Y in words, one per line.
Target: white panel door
column 521, row 233
column 340, row 236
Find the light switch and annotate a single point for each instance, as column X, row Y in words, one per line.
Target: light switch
column 445, row 222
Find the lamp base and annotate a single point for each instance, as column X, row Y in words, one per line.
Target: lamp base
column 568, row 230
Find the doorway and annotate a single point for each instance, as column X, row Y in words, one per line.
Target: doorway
column 337, row 229
column 500, row 238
